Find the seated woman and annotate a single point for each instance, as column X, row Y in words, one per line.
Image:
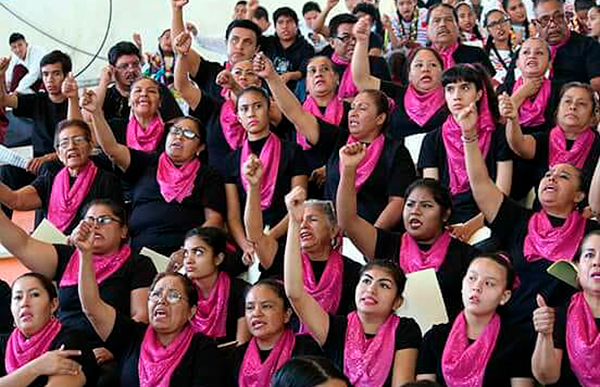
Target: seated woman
column 442, row 156
column 224, row 131
column 309, row 371
column 145, row 129
column 479, row 348
column 372, row 345
column 172, row 191
column 420, row 106
column 268, row 314
column 330, row 277
column 284, row 167
column 62, row 194
column 123, row 277
column 534, row 240
column 571, row 141
column 165, row 352
column 41, row 351
column 467, row 24
column 499, row 45
column 220, row 308
column 425, row 244
column 389, row 169
column 566, row 348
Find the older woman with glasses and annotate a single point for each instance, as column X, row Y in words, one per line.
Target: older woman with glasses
column 62, row 194
column 165, row 352
column 173, row 191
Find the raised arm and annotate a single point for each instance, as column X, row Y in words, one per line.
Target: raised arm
column 188, row 90
column 319, row 25
column 307, row 308
column 361, row 69
column 546, row 359
column 6, row 99
column 118, row 153
column 101, row 315
column 70, row 90
column 362, row 233
column 177, row 27
column 305, row 122
column 37, row 256
column 487, row 195
column 522, row 145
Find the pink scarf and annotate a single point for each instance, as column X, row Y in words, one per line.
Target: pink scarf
column 20, row 350
column 328, row 291
column 412, row 258
column 463, row 364
column 347, row 88
column 333, row 115
column 254, row 373
column 531, row 113
column 66, row 200
column 546, row 242
column 211, row 313
column 554, row 51
column 367, row 362
column 420, row 107
column 270, row 157
column 447, row 55
column 558, row 153
column 368, row 164
column 145, row 139
column 104, row 266
column 451, row 135
column 233, row 131
column 583, row 341
column 176, row 183
column 158, row 363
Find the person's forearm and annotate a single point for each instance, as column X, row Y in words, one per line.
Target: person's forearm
column 74, row 113
column 319, row 24
column 280, row 228
column 8, row 197
column 104, row 134
column 292, row 263
column 346, row 203
column 361, row 68
column 177, row 27
column 22, row 377
column 190, row 93
column 514, row 136
column 476, row 168
column 89, row 294
column 544, row 364
column 101, row 89
column 253, row 219
column 391, row 215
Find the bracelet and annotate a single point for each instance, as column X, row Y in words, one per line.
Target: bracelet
column 467, row 140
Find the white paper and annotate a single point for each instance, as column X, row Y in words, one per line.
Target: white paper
column 160, row 261
column 47, row 232
column 423, row 300
column 18, row 156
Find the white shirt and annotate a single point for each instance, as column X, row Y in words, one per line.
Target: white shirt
column 33, row 57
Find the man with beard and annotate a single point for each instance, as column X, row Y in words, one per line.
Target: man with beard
column 124, row 68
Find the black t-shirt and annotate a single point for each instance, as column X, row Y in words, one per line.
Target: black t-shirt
column 285, row 60
column 106, row 185
column 470, row 54
column 510, row 227
column 160, row 225
column 208, row 112
column 450, row 273
column 291, row 164
column 305, row 346
column 401, row 125
column 394, row 172
column 349, row 282
column 6, row 320
column 71, row 339
column 45, row 115
column 137, row 272
column 201, row 366
column 117, row 106
column 433, row 155
column 511, row 357
column 206, row 76
column 236, row 309
column 408, row 335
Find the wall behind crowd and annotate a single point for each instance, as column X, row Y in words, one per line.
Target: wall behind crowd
column 82, row 23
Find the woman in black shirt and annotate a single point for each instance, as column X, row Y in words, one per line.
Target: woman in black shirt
column 41, row 351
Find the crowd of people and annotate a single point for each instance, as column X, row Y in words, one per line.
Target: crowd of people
column 455, row 136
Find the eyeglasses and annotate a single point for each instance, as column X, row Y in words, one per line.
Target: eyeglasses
column 346, row 39
column 172, row 296
column 125, row 66
column 557, row 18
column 497, row 23
column 177, row 131
column 76, row 140
column 102, row 220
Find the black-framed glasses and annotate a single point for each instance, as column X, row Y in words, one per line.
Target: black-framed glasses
column 498, row 23
column 178, row 131
column 171, row 296
column 557, row 18
column 124, row 66
column 102, row 220
column 346, row 38
column 76, row 140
